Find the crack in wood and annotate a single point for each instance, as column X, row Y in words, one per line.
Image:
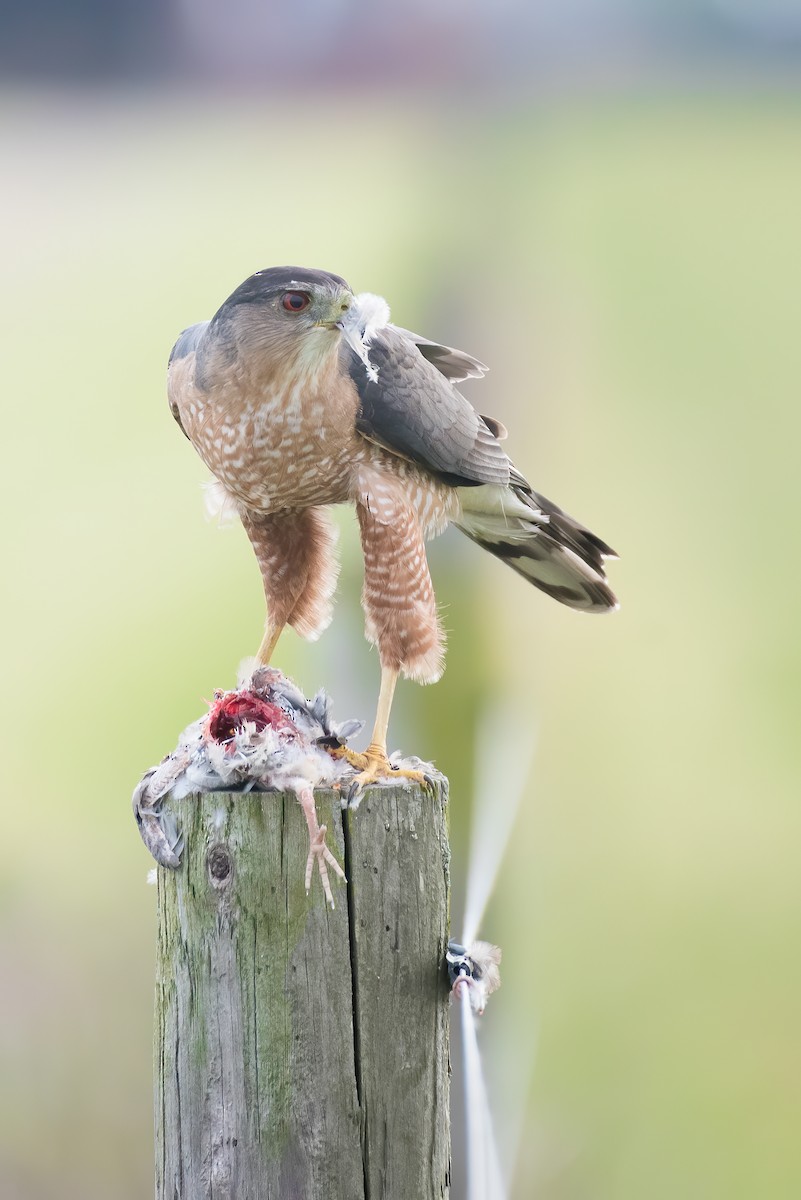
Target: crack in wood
column 354, row 976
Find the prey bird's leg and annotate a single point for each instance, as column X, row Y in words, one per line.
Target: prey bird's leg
column 318, row 851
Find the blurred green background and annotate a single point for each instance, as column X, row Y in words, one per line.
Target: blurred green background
column 628, row 263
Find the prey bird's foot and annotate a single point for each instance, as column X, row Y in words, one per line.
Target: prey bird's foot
column 319, row 853
column 373, row 766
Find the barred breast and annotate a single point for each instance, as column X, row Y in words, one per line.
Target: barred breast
column 294, row 445
column 289, row 445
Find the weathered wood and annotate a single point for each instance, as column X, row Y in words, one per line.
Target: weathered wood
column 398, row 883
column 299, row 1052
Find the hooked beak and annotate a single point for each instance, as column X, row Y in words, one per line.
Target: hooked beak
column 338, row 310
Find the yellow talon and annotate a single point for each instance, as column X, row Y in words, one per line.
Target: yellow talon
column 374, row 763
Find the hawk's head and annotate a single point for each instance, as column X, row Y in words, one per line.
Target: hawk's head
column 286, row 304
column 286, row 315
column 278, row 317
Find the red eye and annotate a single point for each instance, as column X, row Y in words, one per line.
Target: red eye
column 295, row 301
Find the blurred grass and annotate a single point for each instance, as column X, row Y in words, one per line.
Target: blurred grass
column 630, row 271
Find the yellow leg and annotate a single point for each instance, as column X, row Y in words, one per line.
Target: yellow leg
column 268, row 644
column 374, row 764
column 386, row 694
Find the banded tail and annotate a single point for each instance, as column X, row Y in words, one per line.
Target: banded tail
column 539, row 541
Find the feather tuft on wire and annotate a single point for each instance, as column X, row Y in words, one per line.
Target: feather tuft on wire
column 474, row 969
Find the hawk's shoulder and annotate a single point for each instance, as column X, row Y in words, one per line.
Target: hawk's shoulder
column 188, row 341
column 180, row 368
column 409, row 406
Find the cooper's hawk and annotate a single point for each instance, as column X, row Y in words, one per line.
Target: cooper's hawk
column 298, row 395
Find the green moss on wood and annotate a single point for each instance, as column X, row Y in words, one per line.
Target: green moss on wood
column 257, row 1003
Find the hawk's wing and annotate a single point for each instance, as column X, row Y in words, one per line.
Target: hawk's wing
column 414, row 411
column 187, row 344
column 455, row 365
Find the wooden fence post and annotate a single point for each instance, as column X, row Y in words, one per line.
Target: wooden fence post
column 300, row 1053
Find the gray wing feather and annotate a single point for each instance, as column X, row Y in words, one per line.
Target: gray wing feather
column 455, row 365
column 413, row 411
column 188, row 341
column 187, row 344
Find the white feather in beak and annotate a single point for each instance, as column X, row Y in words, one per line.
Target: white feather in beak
column 366, row 315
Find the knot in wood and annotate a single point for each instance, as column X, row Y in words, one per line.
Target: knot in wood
column 220, row 865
